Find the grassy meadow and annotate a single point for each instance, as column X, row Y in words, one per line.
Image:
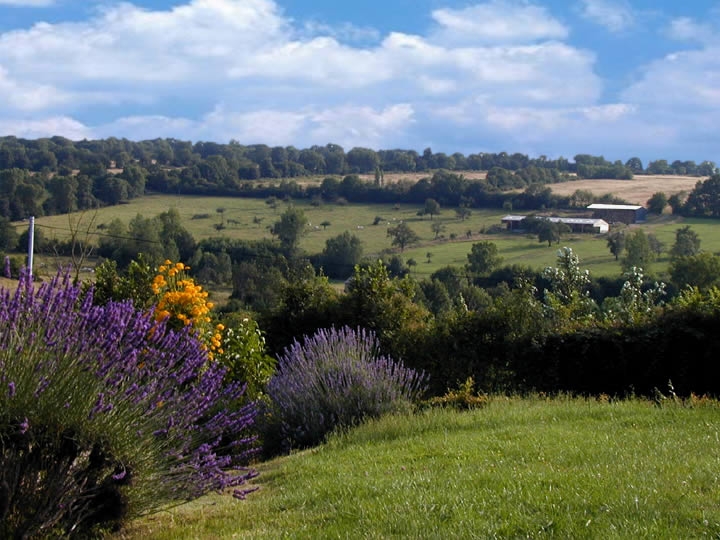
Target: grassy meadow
column 519, row 468
column 251, row 218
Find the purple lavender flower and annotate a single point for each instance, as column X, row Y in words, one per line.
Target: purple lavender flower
column 122, row 374
column 7, row 273
column 336, row 378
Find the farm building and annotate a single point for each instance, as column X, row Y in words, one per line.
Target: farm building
column 588, row 225
column 625, row 213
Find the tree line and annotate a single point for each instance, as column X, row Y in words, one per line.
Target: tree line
column 61, row 155
column 57, row 175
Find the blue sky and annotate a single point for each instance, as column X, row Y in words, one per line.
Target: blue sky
column 618, row 78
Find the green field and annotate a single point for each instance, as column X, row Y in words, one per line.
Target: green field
column 519, row 468
column 251, row 218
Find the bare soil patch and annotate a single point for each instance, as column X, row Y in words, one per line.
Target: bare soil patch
column 635, row 191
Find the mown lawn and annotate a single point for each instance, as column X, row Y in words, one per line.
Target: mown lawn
column 518, row 468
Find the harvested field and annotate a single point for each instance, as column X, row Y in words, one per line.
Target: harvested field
column 635, row 191
column 391, row 178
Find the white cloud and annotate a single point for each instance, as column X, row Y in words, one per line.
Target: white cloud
column 273, row 127
column 345, row 32
column 219, row 46
column 126, row 42
column 678, row 95
column 687, row 80
column 27, row 3
column 615, row 15
column 498, row 21
column 240, row 69
column 687, row 29
column 361, row 126
column 46, row 127
column 536, row 122
column 28, row 96
column 345, row 125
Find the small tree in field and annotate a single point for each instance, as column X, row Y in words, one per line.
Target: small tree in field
column 402, row 235
column 638, row 251
column 432, row 207
column 483, row 258
column 657, row 203
column 616, row 243
column 550, row 232
column 687, row 242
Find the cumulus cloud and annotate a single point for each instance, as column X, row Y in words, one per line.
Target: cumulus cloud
column 678, row 95
column 241, row 69
column 615, row 15
column 687, row 79
column 46, row 127
column 345, row 32
column 215, row 46
column 345, row 125
column 687, row 29
column 27, row 3
column 498, row 21
column 28, row 96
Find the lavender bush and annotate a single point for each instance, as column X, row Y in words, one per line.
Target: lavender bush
column 334, row 378
column 106, row 415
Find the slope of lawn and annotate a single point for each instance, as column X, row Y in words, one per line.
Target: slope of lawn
column 518, row 468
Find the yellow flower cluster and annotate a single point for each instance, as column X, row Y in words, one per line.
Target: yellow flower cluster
column 184, row 303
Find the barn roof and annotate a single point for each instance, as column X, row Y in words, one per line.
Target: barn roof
column 577, row 221
column 614, row 207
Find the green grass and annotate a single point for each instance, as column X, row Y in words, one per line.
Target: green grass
column 253, row 218
column 519, row 468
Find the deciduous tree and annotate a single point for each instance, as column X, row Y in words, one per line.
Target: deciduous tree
column 483, row 258
column 291, row 228
column 402, row 235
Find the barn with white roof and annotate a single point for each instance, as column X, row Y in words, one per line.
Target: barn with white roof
column 581, row 225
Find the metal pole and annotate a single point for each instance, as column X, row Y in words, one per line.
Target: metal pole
column 31, row 241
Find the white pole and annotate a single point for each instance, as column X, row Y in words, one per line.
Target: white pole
column 31, row 241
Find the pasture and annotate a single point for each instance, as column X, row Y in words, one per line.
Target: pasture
column 519, row 468
column 250, row 219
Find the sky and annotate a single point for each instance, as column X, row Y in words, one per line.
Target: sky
column 618, row 78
